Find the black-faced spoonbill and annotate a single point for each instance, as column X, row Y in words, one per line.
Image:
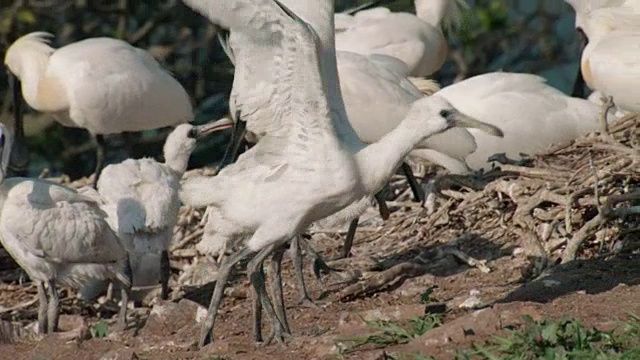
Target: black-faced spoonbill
column 303, row 169
column 104, row 85
column 59, row 237
column 417, row 40
column 609, row 61
column 141, row 198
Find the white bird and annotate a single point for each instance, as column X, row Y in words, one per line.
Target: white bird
column 376, row 95
column 141, row 198
column 302, row 170
column 417, row 40
column 583, row 9
column 532, row 114
column 104, row 85
column 59, row 237
column 610, row 62
column 374, row 89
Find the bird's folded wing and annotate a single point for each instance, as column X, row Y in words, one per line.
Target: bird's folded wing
column 67, row 233
column 144, row 193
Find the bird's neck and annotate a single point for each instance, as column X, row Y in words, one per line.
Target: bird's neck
column 41, row 91
column 177, row 161
column 378, row 161
column 432, row 11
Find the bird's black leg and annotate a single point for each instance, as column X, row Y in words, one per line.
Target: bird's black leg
column 100, row 157
column 296, row 258
column 125, row 292
column 418, row 194
column 348, row 241
column 226, row 265
column 236, row 145
column 54, row 307
column 19, row 157
column 255, row 271
column 165, row 272
column 382, row 206
column 42, row 308
column 276, row 286
column 579, row 85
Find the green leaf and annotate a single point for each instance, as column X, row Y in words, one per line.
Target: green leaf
column 550, row 333
column 100, row 329
column 26, row 16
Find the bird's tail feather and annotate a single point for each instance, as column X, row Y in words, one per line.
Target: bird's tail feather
column 426, row 86
column 199, row 191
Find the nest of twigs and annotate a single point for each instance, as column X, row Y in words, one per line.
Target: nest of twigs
column 577, row 200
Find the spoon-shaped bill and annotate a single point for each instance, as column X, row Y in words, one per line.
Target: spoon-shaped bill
column 459, row 119
column 205, row 129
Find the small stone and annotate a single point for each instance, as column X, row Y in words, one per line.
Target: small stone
column 167, row 317
column 120, row 354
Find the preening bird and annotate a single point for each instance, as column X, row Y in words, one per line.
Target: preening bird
column 591, row 17
column 141, row 198
column 610, row 62
column 303, row 169
column 104, row 85
column 417, row 39
column 59, row 237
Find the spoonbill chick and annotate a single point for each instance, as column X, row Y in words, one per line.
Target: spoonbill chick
column 141, row 198
column 104, row 85
column 302, row 170
column 417, row 40
column 59, row 237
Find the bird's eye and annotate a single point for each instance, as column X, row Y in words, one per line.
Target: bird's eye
column 193, row 133
column 445, row 113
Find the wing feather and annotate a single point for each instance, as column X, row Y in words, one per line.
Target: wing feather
column 56, row 223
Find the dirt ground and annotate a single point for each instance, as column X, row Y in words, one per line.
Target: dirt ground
column 599, row 292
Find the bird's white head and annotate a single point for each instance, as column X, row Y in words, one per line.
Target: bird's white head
column 5, row 150
column 183, row 140
column 28, row 51
column 431, row 115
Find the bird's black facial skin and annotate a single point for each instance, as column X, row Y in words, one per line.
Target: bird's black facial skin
column 2, row 140
column 445, row 113
column 193, row 133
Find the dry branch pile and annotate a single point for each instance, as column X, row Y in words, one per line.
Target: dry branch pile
column 578, row 199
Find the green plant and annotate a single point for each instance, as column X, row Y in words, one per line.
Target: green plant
column 426, row 298
column 566, row 339
column 390, row 333
column 100, row 329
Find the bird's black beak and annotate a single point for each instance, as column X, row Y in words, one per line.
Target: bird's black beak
column 19, row 159
column 368, row 5
column 579, row 84
column 209, row 128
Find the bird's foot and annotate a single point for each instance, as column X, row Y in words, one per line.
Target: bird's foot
column 503, row 159
column 278, row 334
column 307, row 303
column 321, row 268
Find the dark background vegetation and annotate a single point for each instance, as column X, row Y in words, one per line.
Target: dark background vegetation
column 533, row 36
